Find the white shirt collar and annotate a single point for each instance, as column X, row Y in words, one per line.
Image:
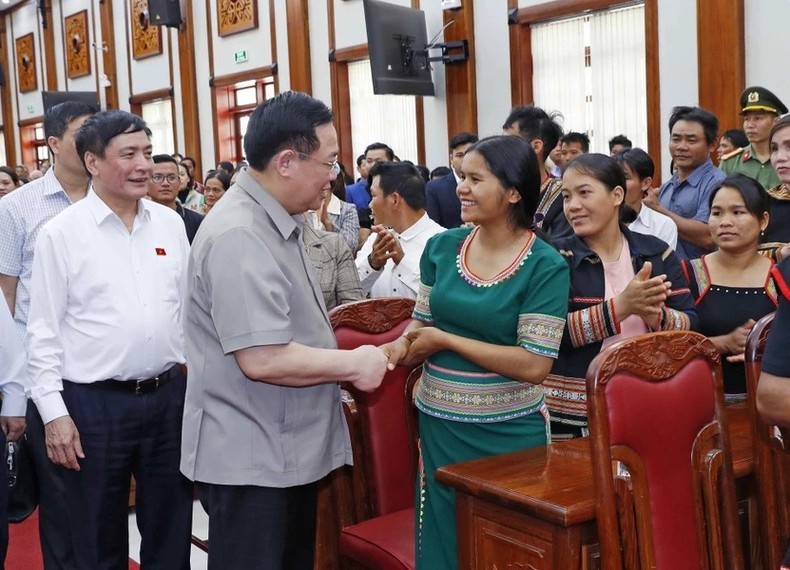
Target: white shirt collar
column 101, row 211
column 423, row 223
column 644, row 217
column 334, row 205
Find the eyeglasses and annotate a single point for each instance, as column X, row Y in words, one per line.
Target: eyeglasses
column 159, row 178
column 334, row 166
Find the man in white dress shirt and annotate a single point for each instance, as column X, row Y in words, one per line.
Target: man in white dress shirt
column 639, row 169
column 22, row 215
column 389, row 261
column 12, row 414
column 105, row 350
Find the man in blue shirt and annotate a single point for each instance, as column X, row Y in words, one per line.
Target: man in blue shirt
column 684, row 197
column 359, row 192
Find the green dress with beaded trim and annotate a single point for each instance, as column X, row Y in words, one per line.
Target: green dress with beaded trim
column 467, row 412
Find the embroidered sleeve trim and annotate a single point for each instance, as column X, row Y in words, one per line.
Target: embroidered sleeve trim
column 674, row 320
column 540, row 334
column 422, row 305
column 593, row 324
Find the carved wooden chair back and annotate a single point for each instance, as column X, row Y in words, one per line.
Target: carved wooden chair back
column 384, row 473
column 656, row 406
column 771, row 461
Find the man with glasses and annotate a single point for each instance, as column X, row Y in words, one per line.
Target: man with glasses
column 163, row 189
column 263, row 421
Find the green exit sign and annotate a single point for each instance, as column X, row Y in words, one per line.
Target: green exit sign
column 241, row 56
column 31, row 109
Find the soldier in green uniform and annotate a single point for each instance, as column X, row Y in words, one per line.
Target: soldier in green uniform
column 760, row 109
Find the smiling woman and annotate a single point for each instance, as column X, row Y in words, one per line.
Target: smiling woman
column 731, row 286
column 622, row 284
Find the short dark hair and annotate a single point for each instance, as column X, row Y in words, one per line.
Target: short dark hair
column 99, row 129
column 609, row 172
column 604, row 169
column 12, row 173
column 754, row 195
column 403, row 178
column 581, row 138
column 621, row 140
column 177, row 154
column 514, row 163
column 190, row 159
column 534, row 123
column 440, row 171
column 220, row 175
column 162, row 158
column 380, row 146
column 463, row 138
column 360, row 159
column 226, row 165
column 287, row 120
column 737, row 137
column 638, row 161
column 709, row 122
column 58, row 117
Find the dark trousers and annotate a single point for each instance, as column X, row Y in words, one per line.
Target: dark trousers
column 3, row 503
column 260, row 528
column 123, row 434
column 53, row 531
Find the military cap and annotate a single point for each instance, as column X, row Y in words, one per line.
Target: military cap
column 760, row 99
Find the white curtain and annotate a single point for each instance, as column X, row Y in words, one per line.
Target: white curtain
column 558, row 71
column 618, row 76
column 391, row 119
column 604, row 94
column 158, row 116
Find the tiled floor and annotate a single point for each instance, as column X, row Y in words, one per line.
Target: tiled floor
column 199, row 529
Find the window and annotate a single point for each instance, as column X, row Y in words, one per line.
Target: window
column 592, row 70
column 34, row 145
column 235, row 103
column 158, row 115
column 391, row 119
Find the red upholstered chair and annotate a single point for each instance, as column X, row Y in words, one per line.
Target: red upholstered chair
column 771, row 462
column 656, row 405
column 384, row 472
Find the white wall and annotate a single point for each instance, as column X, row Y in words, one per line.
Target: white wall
column 677, row 65
column 492, row 69
column 435, row 108
column 319, row 50
column 767, row 45
column 256, row 42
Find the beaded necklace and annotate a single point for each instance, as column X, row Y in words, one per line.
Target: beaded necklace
column 475, row 280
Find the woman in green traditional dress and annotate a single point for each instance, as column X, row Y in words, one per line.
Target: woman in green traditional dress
column 488, row 320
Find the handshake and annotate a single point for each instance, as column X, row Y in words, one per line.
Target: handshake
column 412, row 347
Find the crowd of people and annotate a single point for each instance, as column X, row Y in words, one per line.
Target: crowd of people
column 177, row 331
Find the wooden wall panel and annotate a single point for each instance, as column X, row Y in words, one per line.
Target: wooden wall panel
column 653, row 81
column 50, row 69
column 5, row 99
column 188, row 96
column 460, row 78
column 299, row 45
column 108, row 53
column 720, row 56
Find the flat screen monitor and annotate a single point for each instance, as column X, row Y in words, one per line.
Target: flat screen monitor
column 397, row 38
column 52, row 98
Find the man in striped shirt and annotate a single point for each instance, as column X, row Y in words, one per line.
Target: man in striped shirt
column 22, row 215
